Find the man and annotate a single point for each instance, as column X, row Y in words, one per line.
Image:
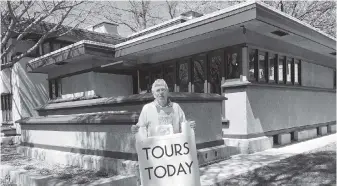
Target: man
column 160, row 117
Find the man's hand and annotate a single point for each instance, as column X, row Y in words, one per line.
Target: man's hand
column 192, row 124
column 134, row 129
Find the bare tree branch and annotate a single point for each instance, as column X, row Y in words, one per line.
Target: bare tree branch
column 22, row 18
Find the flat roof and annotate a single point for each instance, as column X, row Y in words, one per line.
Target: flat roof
column 221, row 12
column 259, row 11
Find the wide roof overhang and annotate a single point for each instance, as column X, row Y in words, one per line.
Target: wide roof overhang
column 87, row 54
column 200, row 34
column 211, row 31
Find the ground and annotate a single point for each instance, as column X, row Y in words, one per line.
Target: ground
column 71, row 174
column 317, row 167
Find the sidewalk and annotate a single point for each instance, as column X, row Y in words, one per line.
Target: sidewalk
column 218, row 173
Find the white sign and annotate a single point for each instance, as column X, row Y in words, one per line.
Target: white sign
column 168, row 160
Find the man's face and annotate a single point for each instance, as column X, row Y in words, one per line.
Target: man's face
column 160, row 93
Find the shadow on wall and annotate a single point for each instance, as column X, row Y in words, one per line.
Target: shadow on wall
column 101, row 139
column 31, row 91
column 5, row 80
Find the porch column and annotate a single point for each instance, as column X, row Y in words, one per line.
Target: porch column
column 244, row 69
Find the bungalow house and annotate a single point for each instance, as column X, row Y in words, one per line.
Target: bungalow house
column 250, row 76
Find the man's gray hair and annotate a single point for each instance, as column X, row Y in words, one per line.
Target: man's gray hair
column 159, row 82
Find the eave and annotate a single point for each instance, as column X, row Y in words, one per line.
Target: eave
column 77, row 52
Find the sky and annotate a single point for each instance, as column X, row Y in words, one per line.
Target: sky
column 159, row 10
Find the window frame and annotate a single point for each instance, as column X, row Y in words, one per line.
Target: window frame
column 290, row 70
column 210, row 55
column 274, row 61
column 230, row 50
column 58, row 88
column 204, row 66
column 186, row 60
column 6, row 107
column 282, row 62
column 265, row 78
column 255, row 65
column 298, row 62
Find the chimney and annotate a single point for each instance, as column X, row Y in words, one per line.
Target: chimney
column 191, row 14
column 106, row 27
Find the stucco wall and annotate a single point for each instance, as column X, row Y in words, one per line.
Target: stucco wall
column 78, row 85
column 235, row 111
column 316, row 75
column 207, row 117
column 5, row 86
column 119, row 137
column 102, row 84
column 108, row 85
column 270, row 108
column 99, row 137
column 30, row 90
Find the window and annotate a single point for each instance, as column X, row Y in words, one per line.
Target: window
column 55, row 88
column 144, row 81
column 297, row 72
column 281, row 61
column 46, row 48
column 169, row 75
column 252, row 64
column 215, row 72
column 34, row 53
column 52, row 45
column 289, row 69
column 233, row 60
column 156, row 73
column 56, row 46
column 262, row 66
column 271, row 66
column 6, row 107
column 199, row 74
column 183, row 75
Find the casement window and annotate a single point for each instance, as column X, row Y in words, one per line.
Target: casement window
column 169, row 75
column 183, row 69
column 262, row 66
column 233, row 63
column 269, row 67
column 144, row 81
column 55, row 88
column 296, row 72
column 6, row 107
column 272, row 63
column 52, row 45
column 289, row 66
column 199, row 73
column 281, row 64
column 215, row 70
column 252, row 63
